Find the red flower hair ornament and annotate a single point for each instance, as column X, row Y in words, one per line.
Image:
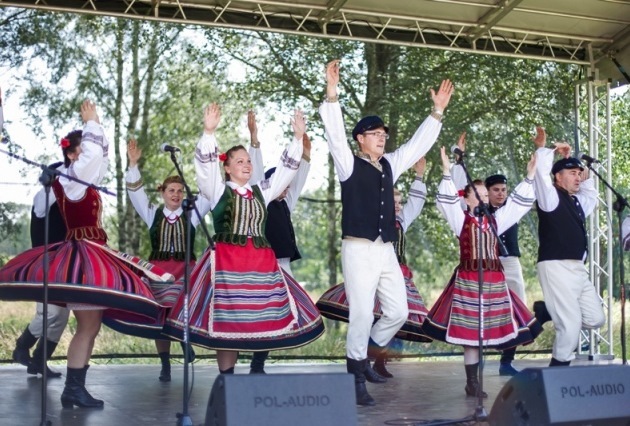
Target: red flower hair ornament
column 222, row 157
column 65, row 143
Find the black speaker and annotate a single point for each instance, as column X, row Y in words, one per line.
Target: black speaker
column 584, row 395
column 282, row 400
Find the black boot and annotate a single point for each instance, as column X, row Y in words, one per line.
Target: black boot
column 23, row 345
column 374, row 352
column 74, row 393
column 555, row 363
column 35, row 366
column 371, row 375
column 191, row 353
column 379, row 366
column 165, row 372
column 257, row 365
column 540, row 312
column 228, row 371
column 472, row 380
column 357, row 368
column 505, row 365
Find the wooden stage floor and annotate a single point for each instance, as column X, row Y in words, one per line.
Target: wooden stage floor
column 419, row 392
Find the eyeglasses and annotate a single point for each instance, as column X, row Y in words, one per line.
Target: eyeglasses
column 380, row 135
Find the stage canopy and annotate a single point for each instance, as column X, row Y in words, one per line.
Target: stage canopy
column 587, row 32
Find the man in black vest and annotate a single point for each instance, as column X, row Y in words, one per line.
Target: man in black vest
column 497, row 195
column 563, row 206
column 370, row 266
column 57, row 316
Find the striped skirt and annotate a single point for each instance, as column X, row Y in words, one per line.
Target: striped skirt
column 334, row 305
column 240, row 299
column 84, row 273
column 455, row 316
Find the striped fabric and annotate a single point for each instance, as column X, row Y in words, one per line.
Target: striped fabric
column 334, row 305
column 249, row 303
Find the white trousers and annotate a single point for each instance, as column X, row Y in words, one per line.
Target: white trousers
column 572, row 302
column 57, row 320
column 514, row 276
column 371, row 269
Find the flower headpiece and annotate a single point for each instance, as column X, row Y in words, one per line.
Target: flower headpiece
column 222, row 157
column 65, row 143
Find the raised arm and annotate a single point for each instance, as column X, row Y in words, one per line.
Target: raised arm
column 255, row 153
column 425, row 136
column 135, row 185
column 447, row 197
column 519, row 202
column 295, row 189
column 416, row 196
column 207, row 166
column 92, row 163
column 1, row 115
column 330, row 111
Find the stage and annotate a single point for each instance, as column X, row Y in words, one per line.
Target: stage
column 419, row 392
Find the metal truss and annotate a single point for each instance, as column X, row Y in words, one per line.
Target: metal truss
column 338, row 19
column 592, row 100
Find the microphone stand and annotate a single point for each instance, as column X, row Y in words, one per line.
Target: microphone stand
column 46, row 179
column 188, row 205
column 619, row 205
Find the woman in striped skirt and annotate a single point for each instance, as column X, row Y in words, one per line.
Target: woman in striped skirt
column 454, row 317
column 240, row 299
column 84, row 274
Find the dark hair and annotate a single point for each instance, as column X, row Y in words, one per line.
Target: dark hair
column 74, row 137
column 228, row 156
column 168, row 181
column 468, row 188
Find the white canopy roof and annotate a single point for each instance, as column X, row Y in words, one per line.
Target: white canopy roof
column 576, row 31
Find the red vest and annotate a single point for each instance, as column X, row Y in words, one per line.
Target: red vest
column 82, row 217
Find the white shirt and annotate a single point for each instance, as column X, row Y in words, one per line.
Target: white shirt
column 416, row 199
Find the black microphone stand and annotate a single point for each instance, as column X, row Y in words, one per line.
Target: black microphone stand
column 619, row 205
column 188, row 205
column 47, row 178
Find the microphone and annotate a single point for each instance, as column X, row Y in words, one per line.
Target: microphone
column 168, row 148
column 587, row 158
column 455, row 150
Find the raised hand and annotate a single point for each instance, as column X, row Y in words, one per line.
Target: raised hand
column 306, row 145
column 88, row 111
column 211, row 118
column 253, row 128
column 461, row 144
column 443, row 95
column 563, row 149
column 531, row 167
column 446, row 163
column 332, row 78
column 420, row 166
column 298, row 123
column 133, row 152
column 540, row 139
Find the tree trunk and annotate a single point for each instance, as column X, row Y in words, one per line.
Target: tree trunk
column 120, row 207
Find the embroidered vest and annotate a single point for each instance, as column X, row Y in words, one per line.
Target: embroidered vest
column 236, row 218
column 82, row 217
column 469, row 255
column 168, row 240
column 399, row 244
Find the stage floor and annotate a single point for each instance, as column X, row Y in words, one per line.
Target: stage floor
column 419, row 392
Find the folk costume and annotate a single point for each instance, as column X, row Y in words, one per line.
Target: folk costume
column 240, row 299
column 455, row 315
column 333, row 303
column 84, row 273
column 570, row 297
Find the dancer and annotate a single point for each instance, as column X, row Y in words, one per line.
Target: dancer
column 368, row 223
column 167, row 231
column 563, row 205
column 84, row 274
column 240, row 299
column 454, row 316
column 334, row 303
column 625, row 231
column 279, row 228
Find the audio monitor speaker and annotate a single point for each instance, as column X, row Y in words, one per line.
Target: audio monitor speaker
column 582, row 395
column 282, row 400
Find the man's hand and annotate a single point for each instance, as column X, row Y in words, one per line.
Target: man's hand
column 540, row 139
column 443, row 95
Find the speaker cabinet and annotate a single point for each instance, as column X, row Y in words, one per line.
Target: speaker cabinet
column 282, row 400
column 583, row 395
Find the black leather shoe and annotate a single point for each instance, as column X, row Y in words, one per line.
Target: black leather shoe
column 165, row 373
column 372, row 376
column 379, row 367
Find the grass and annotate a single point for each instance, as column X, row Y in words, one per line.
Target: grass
column 110, row 345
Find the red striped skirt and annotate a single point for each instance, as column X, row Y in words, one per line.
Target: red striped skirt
column 334, row 305
column 454, row 318
column 84, row 272
column 245, row 303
